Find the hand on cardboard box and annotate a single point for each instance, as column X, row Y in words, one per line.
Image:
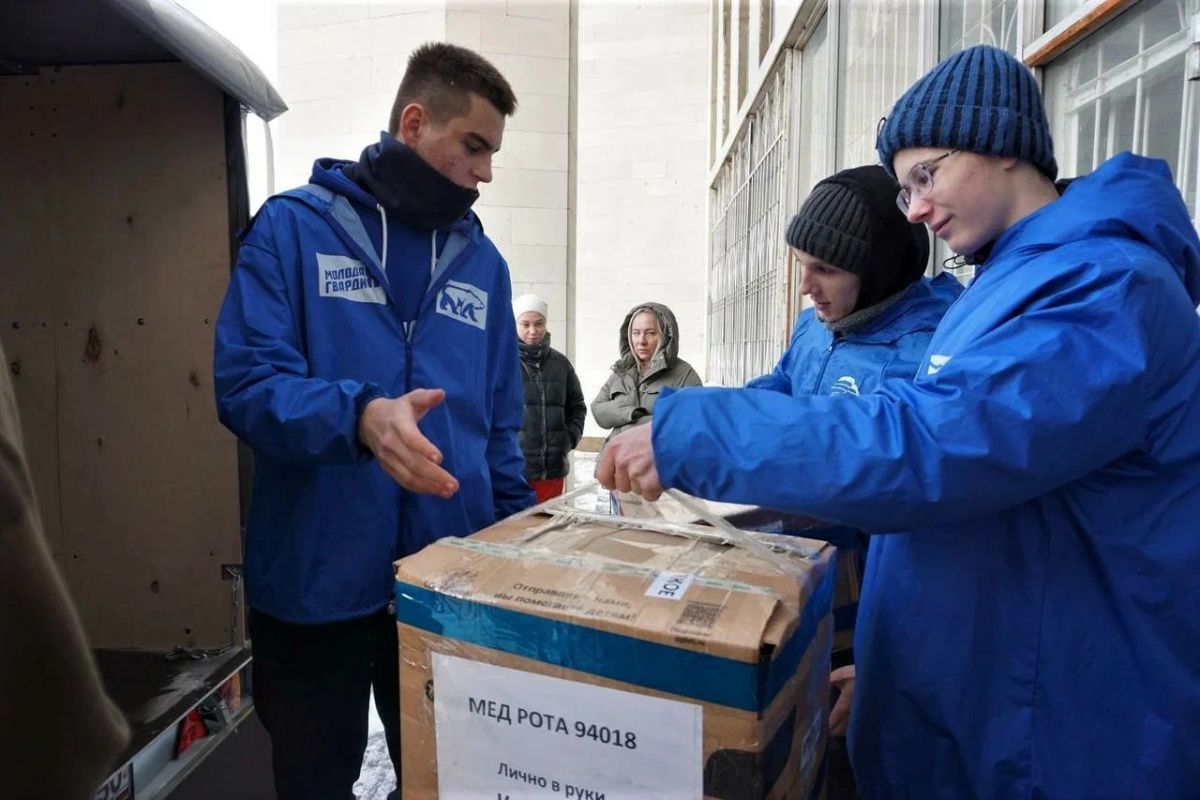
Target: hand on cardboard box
column 841, row 679
column 627, row 463
column 388, row 427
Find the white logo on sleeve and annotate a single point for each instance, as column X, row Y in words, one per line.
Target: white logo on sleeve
column 936, row 362
column 463, row 302
column 845, row 385
column 348, row 279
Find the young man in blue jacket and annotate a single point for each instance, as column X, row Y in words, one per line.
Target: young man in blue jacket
column 366, row 351
column 862, row 265
column 873, row 312
column 1032, row 631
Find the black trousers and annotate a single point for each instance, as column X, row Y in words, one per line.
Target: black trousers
column 312, row 685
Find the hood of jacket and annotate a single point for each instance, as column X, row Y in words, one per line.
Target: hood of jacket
column 921, row 308
column 668, row 347
column 1129, row 197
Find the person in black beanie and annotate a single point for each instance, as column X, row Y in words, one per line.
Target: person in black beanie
column 366, row 351
column 862, row 265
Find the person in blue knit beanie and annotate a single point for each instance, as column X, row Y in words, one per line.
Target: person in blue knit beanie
column 1030, row 629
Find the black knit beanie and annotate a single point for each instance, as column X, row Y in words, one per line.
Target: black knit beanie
column 850, row 221
column 980, row 99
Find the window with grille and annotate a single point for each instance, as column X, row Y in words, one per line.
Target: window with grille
column 966, row 24
column 1125, row 88
column 747, row 293
column 880, row 55
column 1058, row 10
column 815, row 137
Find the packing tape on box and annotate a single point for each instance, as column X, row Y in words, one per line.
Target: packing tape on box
column 651, row 665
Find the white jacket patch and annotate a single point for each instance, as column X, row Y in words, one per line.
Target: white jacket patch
column 845, row 385
column 936, row 362
column 463, row 302
column 348, row 279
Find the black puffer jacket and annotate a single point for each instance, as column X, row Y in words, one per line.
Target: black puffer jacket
column 554, row 410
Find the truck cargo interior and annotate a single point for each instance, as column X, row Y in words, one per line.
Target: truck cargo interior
column 124, row 133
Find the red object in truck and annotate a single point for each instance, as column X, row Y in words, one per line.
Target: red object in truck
column 191, row 728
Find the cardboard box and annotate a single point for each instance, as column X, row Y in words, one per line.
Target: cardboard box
column 847, row 589
column 564, row 655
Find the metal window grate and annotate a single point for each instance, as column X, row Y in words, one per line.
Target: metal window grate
column 747, row 308
column 966, row 24
column 1125, row 88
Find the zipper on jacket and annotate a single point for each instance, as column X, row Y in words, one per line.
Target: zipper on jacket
column 541, row 384
column 410, row 328
column 825, row 365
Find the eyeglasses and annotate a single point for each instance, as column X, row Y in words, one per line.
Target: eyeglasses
column 920, row 182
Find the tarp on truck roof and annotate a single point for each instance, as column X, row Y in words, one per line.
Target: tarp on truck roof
column 70, row 32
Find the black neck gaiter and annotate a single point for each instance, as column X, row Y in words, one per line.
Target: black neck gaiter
column 535, row 354
column 408, row 187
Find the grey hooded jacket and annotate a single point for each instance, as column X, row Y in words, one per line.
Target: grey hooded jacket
column 628, row 397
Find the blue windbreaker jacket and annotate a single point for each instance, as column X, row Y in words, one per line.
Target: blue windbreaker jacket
column 890, row 346
column 310, row 332
column 1035, row 633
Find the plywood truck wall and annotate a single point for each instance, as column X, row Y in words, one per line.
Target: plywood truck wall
column 114, row 256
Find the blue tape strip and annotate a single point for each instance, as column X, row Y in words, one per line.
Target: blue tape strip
column 702, row 676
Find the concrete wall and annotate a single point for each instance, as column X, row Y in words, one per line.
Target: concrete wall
column 641, row 230
column 524, row 209
column 339, row 66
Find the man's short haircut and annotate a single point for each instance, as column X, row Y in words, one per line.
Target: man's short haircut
column 442, row 76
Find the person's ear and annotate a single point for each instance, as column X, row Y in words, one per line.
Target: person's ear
column 413, row 120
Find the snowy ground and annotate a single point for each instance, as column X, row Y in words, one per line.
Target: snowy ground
column 377, row 777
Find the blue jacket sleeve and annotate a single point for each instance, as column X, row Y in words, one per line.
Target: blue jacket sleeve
column 777, row 380
column 1035, row 402
column 264, row 394
column 506, row 464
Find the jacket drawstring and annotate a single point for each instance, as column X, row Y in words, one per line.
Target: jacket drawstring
column 383, row 224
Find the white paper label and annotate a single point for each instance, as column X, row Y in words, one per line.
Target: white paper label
column 670, row 585
column 504, row 733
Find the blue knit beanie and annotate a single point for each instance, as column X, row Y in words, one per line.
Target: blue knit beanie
column 980, row 99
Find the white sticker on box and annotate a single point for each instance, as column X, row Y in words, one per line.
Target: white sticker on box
column 670, row 585
column 508, row 733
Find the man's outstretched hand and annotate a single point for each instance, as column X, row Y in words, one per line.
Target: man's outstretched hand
column 627, row 463
column 388, row 427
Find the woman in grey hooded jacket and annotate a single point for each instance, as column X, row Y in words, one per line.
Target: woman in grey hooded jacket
column 649, row 362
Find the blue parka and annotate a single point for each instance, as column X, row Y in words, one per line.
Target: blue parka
column 890, row 346
column 1034, row 633
column 311, row 331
